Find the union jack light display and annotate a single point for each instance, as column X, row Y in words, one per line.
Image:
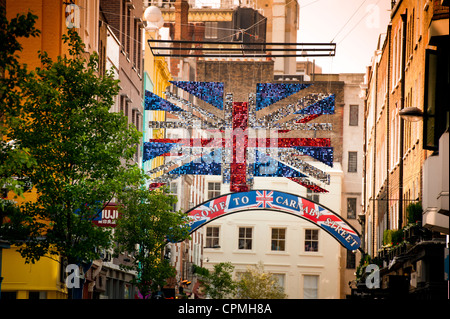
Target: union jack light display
column 237, row 151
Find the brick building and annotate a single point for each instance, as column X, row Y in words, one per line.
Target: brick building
column 124, row 19
column 397, row 80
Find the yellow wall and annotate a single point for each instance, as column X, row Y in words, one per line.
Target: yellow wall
column 50, row 22
column 23, row 278
column 160, row 76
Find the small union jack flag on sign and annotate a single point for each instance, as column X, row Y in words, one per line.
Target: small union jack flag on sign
column 264, row 199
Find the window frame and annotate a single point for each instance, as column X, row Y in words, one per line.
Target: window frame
column 212, row 238
column 278, row 243
column 245, row 238
column 316, row 288
column 315, row 197
column 355, row 161
column 211, row 30
column 352, row 120
column 311, row 240
column 350, row 261
column 355, row 207
column 213, row 193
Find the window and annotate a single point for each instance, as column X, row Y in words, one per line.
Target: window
column 353, row 119
column 311, row 240
column 351, row 208
column 122, row 104
column 135, row 41
column 213, row 190
column 128, row 32
column 352, row 162
column 139, row 52
column 211, row 30
column 395, row 135
column 280, row 280
column 407, row 133
column 37, row 295
column 9, row 295
column 310, row 286
column 397, row 61
column 173, row 188
column 312, row 196
column 245, row 237
column 127, row 111
column 124, row 18
column 351, row 260
column 212, row 237
column 278, row 239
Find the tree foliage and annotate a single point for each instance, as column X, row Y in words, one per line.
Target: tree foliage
column 218, row 283
column 147, row 223
column 82, row 153
column 255, row 283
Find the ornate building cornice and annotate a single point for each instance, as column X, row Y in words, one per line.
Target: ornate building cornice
column 201, row 15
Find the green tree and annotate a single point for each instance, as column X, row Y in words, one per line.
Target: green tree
column 82, row 152
column 255, row 283
column 147, row 223
column 218, row 284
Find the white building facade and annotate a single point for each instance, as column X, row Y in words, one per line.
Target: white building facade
column 303, row 257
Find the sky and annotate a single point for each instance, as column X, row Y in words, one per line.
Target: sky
column 354, row 25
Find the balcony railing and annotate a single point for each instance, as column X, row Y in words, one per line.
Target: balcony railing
column 414, row 235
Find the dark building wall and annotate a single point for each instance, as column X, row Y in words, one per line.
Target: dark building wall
column 239, row 77
column 252, row 22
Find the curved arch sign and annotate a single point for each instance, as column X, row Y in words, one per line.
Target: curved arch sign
column 283, row 202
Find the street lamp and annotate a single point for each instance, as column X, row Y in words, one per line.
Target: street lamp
column 411, row 114
column 154, row 18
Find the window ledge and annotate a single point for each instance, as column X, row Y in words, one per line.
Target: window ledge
column 278, row 253
column 212, row 250
column 244, row 251
column 311, row 254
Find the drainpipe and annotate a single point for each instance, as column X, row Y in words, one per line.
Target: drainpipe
column 374, row 166
column 402, row 121
column 363, row 224
column 387, row 124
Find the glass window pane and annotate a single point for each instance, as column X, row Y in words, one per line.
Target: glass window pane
column 310, row 286
column 351, row 208
column 352, row 162
column 353, row 120
column 245, row 238
column 311, row 240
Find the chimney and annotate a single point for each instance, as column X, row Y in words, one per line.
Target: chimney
column 181, row 20
column 181, row 32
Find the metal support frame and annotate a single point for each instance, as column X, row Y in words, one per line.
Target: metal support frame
column 182, row 48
